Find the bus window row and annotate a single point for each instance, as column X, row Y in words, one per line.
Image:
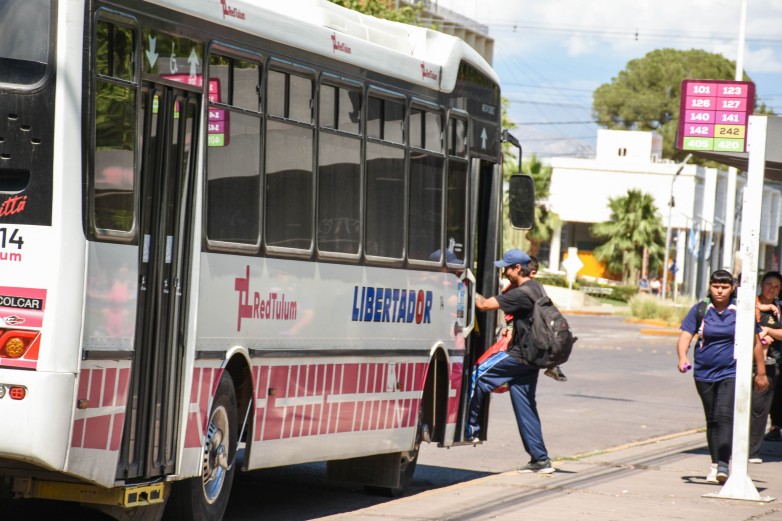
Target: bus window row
column 297, row 161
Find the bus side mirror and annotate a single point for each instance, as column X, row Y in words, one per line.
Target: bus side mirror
column 521, row 201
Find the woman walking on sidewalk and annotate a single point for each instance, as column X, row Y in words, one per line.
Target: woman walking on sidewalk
column 715, row 367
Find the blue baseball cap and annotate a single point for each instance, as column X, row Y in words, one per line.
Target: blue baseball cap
column 511, row 257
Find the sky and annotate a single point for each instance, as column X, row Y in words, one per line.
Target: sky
column 552, row 54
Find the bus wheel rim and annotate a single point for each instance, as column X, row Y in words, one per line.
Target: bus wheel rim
column 216, row 448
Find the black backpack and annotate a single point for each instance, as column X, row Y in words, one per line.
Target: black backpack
column 549, row 340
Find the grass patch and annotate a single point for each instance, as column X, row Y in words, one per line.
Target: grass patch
column 649, row 307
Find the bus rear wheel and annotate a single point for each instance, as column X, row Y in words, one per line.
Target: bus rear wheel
column 205, row 498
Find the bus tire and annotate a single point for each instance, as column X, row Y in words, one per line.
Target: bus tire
column 205, row 498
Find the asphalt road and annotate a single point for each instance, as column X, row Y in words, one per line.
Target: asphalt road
column 622, row 387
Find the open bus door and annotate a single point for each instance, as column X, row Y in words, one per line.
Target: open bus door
column 150, row 435
column 487, row 188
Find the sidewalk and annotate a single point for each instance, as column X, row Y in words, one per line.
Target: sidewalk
column 657, row 480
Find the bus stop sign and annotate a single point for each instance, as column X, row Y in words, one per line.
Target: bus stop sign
column 713, row 115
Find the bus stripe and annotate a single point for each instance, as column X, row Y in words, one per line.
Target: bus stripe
column 96, row 381
column 122, row 388
column 77, row 440
column 97, row 432
column 118, row 422
column 110, row 386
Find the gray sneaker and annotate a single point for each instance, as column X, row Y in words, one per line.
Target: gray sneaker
column 541, row 467
column 556, row 373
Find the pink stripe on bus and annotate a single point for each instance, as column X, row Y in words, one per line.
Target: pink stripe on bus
column 96, row 432
column 118, row 425
column 109, row 387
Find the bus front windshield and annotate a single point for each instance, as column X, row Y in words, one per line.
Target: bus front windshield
column 24, row 40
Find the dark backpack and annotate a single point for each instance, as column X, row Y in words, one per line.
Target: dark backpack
column 549, row 340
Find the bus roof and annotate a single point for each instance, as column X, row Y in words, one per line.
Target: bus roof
column 407, row 52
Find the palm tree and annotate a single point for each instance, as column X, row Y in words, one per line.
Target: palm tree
column 634, row 229
column 546, row 221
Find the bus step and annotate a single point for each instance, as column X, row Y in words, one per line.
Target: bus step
column 126, row 497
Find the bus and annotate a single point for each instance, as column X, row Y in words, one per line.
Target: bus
column 236, row 233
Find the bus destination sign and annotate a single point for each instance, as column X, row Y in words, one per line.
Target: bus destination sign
column 713, row 115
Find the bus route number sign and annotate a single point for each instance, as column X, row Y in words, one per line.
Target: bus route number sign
column 713, row 115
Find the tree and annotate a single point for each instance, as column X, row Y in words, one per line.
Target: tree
column 645, row 95
column 635, row 225
column 407, row 13
column 546, row 221
column 510, row 163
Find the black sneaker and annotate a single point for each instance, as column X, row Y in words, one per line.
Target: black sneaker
column 774, row 434
column 541, row 467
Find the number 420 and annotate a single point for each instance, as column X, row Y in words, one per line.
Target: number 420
column 12, row 238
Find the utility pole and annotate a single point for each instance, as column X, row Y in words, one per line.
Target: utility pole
column 730, row 200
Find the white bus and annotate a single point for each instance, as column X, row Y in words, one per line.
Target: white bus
column 235, row 233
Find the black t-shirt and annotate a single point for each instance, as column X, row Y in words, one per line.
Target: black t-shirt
column 517, row 303
column 768, row 319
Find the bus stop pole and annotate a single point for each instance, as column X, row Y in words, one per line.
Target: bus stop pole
column 739, row 484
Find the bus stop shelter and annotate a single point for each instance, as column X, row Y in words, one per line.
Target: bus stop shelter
column 762, row 161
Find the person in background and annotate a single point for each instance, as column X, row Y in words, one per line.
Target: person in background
column 767, row 314
column 510, row 367
column 655, row 285
column 715, row 367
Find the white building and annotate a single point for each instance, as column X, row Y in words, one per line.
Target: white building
column 580, row 189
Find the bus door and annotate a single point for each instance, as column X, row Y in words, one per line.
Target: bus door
column 485, row 229
column 170, row 122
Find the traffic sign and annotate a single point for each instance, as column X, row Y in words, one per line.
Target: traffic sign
column 572, row 264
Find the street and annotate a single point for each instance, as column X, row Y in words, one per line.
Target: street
column 622, row 387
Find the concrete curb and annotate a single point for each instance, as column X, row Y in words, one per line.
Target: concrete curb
column 587, row 312
column 661, row 332
column 650, row 322
column 649, row 441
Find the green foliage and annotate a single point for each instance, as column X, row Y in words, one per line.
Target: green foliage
column 649, row 307
column 510, row 163
column 546, row 221
column 551, row 279
column 407, row 13
column 609, row 291
column 634, row 224
column 645, row 95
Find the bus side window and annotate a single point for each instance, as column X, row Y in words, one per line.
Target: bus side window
column 289, row 163
column 426, row 185
column 456, row 205
column 114, row 169
column 339, row 170
column 385, row 178
column 233, row 191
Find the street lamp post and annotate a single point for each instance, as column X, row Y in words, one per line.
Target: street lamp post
column 671, row 204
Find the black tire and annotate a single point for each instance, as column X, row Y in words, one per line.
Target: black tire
column 205, row 498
